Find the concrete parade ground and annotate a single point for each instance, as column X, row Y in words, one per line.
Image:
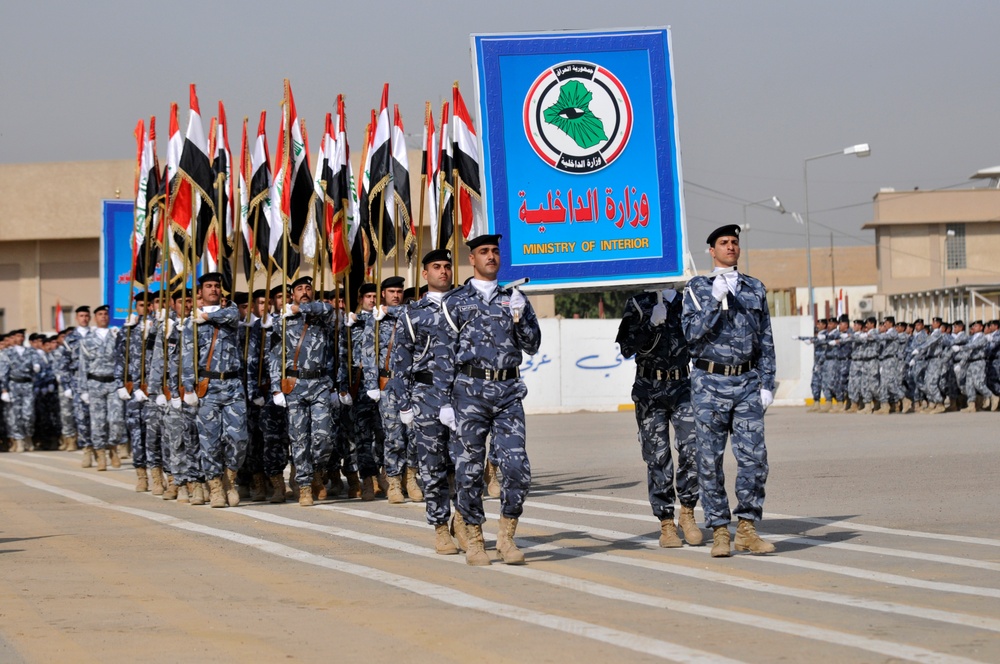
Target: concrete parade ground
column 887, row 534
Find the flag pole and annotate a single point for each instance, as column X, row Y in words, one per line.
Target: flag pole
column 454, row 225
column 145, row 301
column 250, row 280
column 420, row 215
column 442, row 180
column 139, row 134
column 165, row 296
column 193, row 226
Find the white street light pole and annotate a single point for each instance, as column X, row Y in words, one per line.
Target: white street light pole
column 773, row 200
column 861, row 150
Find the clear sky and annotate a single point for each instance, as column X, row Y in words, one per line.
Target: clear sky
column 760, row 85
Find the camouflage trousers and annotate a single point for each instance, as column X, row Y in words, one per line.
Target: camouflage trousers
column 433, row 457
column 890, row 387
column 20, row 412
column 254, row 461
column 222, row 427
column 483, row 408
column 180, row 438
column 81, row 416
column 854, row 380
column 729, row 406
column 153, row 416
column 868, row 380
column 917, row 375
column 107, row 414
column 310, row 427
column 975, row 381
column 135, row 428
column 67, row 423
column 367, row 435
column 399, row 450
column 659, row 404
column 933, row 379
column 344, row 456
column 816, row 385
column 834, row 383
column 274, row 433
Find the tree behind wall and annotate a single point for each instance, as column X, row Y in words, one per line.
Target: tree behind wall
column 607, row 304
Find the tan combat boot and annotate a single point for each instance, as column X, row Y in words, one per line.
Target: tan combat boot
column 720, row 542
column 353, row 485
column 491, row 480
column 71, row 444
column 844, row 408
column 884, row 409
column 994, row 402
column 196, row 496
column 458, row 531
column 867, row 410
column 17, row 445
column 412, row 488
column 814, row 408
column 506, row 547
column 278, row 492
column 183, row 497
column 116, row 461
column 747, row 539
column 692, row 533
column 102, row 459
column 668, row 535
column 971, row 408
column 907, row 406
column 142, row 480
column 62, row 444
column 305, row 495
column 88, row 457
column 258, row 489
column 936, row 409
column 318, row 486
column 156, row 477
column 216, row 494
column 475, row 554
column 824, row 407
column 229, row 486
column 368, row 489
column 395, row 491
column 443, row 544
column 171, row 491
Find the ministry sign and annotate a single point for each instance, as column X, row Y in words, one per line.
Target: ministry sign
column 581, row 160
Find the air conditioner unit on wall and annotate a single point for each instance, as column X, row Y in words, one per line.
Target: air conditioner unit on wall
column 866, row 305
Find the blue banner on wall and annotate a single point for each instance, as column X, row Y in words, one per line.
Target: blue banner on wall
column 581, row 162
column 116, row 257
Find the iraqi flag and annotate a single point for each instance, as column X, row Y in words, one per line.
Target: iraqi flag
column 147, row 187
column 429, row 164
column 380, row 192
column 344, row 230
column 446, row 199
column 401, row 185
column 294, row 180
column 263, row 209
column 365, row 241
column 220, row 240
column 466, row 168
column 178, row 201
column 195, row 167
column 245, row 232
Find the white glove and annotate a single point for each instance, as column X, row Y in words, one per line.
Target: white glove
column 379, row 312
column 345, row 398
column 147, row 326
column 958, row 367
column 202, row 317
column 659, row 315
column 258, row 401
column 913, row 363
column 352, row 318
column 845, row 335
column 36, row 367
column 161, row 315
column 374, row 395
column 287, row 311
column 278, row 398
column 267, row 322
column 833, row 342
column 175, row 403
column 161, row 400
column 68, row 393
column 766, row 398
column 85, row 397
column 956, row 348
column 447, row 417
column 190, row 398
column 123, row 394
column 132, row 320
column 406, row 416
column 139, row 396
column 517, row 302
column 5, row 397
column 719, row 288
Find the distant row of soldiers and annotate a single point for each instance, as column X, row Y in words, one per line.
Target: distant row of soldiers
column 898, row 367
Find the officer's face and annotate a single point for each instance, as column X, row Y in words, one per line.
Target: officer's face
column 368, row 301
column 243, row 309
column 485, row 261
column 210, row 292
column 278, row 301
column 83, row 319
column 101, row 318
column 258, row 306
column 438, row 276
column 392, row 296
column 302, row 293
column 726, row 252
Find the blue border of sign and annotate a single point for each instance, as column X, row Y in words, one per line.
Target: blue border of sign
column 654, row 104
column 116, row 257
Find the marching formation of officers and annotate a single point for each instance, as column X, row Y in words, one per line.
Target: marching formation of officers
column 215, row 400
column 905, row 367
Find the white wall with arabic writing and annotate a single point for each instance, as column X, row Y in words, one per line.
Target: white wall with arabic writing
column 579, row 366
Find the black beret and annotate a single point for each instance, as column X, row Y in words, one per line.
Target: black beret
column 239, row 297
column 101, row 308
column 423, row 290
column 259, row 293
column 919, row 320
column 976, row 322
column 437, row 255
column 844, row 318
column 409, row 293
column 67, row 330
column 392, row 282
column 16, row 332
column 329, row 294
column 302, row 280
column 959, row 322
column 277, row 290
column 181, row 292
column 366, row 288
column 484, row 239
column 889, row 319
column 729, row 230
column 84, row 309
column 210, row 276
column 35, row 335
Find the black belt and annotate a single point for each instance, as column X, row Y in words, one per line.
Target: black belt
column 216, row 375
column 382, row 373
column 424, row 377
column 662, row 374
column 292, row 373
column 30, row 380
column 490, row 374
column 99, row 379
column 724, row 369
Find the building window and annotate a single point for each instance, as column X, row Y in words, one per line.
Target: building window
column 954, row 246
column 781, row 302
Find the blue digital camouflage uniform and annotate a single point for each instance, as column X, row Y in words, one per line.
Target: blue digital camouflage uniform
column 974, row 358
column 489, row 340
column 60, row 364
column 662, row 396
column 892, row 352
column 394, row 446
column 993, row 362
column 855, row 368
column 272, row 420
column 365, row 422
column 140, row 339
column 420, row 360
column 17, row 377
column 70, row 368
column 917, row 363
column 819, row 358
column 933, row 352
column 222, row 426
column 178, row 429
column 343, row 457
column 310, row 426
column 731, row 333
column 98, row 351
column 868, row 346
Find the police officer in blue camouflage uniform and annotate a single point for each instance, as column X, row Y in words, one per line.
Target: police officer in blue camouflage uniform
column 365, row 421
column 494, row 326
column 892, row 351
column 423, row 336
column 249, row 342
column 728, row 328
column 70, row 368
column 98, row 352
column 651, row 331
column 60, row 365
column 18, row 366
column 136, row 342
column 303, row 385
column 218, row 392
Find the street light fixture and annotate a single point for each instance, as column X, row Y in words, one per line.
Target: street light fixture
column 777, row 206
column 859, row 150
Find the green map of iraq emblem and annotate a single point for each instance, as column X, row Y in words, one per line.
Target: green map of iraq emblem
column 577, row 117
